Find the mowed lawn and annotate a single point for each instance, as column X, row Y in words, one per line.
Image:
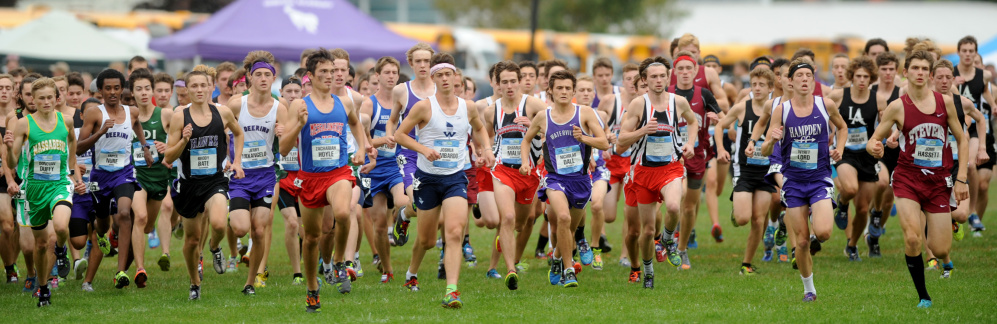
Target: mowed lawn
column 874, row 290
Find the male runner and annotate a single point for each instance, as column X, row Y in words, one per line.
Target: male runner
column 882, row 202
column 528, row 70
column 614, row 106
column 971, row 82
column 839, row 66
column 162, row 90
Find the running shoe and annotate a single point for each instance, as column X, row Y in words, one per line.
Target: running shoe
column 604, row 244
column 387, row 277
column 893, row 210
column 195, row 292
column 671, row 253
column 412, row 284
column 178, row 231
column 441, row 271
column 780, row 232
column 141, row 278
column 329, row 274
column 80, row 268
column 570, row 281
column 554, row 273
column 476, row 211
column 153, row 240
column 718, row 233
column 783, row 256
column 470, row 259
column 809, row 297
column 358, row 267
column 114, row 238
column 400, row 232
column 120, row 280
column 312, row 304
column 578, row 267
column 200, row 268
column 925, row 303
column 769, row 238
column 597, row 259
column 343, row 282
column 539, row 254
column 62, row 262
column 86, row 251
column 748, row 270
column 219, row 261
column 30, row 284
column 873, row 243
column 659, row 251
column 692, row 240
column 946, row 273
column 249, row 290
column 243, row 248
column 767, row 257
column 452, row 300
column 793, row 259
column 634, row 276
column 493, row 274
column 975, row 223
column 841, row 214
column 298, row 280
column 684, row 255
column 512, row 280
column 376, row 261
column 351, row 271
column 852, row 252
column 87, row 287
column 259, row 282
column 54, row 283
column 439, row 243
column 625, row 262
column 875, row 224
column 104, row 244
column 932, row 264
column 164, row 262
column 44, row 298
column 649, row 281
column 958, row 231
column 12, row 275
column 233, row 266
column 522, row 266
column 814, row 245
column 585, row 252
column 244, row 259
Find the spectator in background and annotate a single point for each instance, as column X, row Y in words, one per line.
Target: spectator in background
column 59, row 69
column 740, row 73
column 11, row 63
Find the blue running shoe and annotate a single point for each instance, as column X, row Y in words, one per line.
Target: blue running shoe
column 768, row 256
column 893, row 211
column 555, row 272
column 153, row 240
column 975, row 223
column 493, row 274
column 692, row 240
column 570, row 281
column 809, row 297
column 841, row 214
column 30, row 284
column 769, row 237
column 585, row 252
column 925, row 303
column 452, row 300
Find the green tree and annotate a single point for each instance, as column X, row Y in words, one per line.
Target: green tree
column 641, row 17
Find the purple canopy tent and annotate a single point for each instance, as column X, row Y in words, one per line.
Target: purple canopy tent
column 285, row 28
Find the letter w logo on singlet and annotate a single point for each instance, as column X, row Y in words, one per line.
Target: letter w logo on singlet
column 450, row 132
column 855, row 116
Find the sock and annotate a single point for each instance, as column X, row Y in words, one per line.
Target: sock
column 356, row 255
column 948, row 266
column 915, row 264
column 9, row 269
column 632, row 269
column 401, row 214
column 297, row 275
column 772, row 223
column 745, row 264
column 580, row 233
column 409, row 275
column 667, row 234
column 648, row 268
column 327, row 266
column 60, row 249
column 808, row 284
column 451, row 288
column 467, row 239
column 542, row 242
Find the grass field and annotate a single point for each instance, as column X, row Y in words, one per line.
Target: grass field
column 874, row 290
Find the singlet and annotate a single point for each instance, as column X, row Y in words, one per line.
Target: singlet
column 596, row 101
column 49, row 153
column 889, row 154
column 615, row 122
column 597, row 154
column 923, row 137
column 663, row 147
column 378, row 127
column 113, row 149
column 322, row 142
column 257, row 148
column 744, row 132
column 153, row 131
column 861, row 119
column 562, row 153
column 351, row 143
column 957, row 101
column 804, row 146
column 775, row 159
column 446, row 134
column 204, row 155
column 699, row 105
column 818, row 89
column 699, row 80
column 972, row 89
column 509, row 135
column 86, row 159
column 410, row 101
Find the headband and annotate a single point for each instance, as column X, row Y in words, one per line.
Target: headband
column 305, row 79
column 683, row 58
column 179, row 84
column 240, row 80
column 711, row 58
column 760, row 61
column 290, row 81
column 262, row 65
column 793, row 69
column 438, row 67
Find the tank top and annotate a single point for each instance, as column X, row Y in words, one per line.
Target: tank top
column 957, row 100
column 661, row 148
column 818, row 89
column 114, row 147
column 351, row 143
column 378, row 128
column 153, row 130
column 86, row 159
column 861, row 119
column 446, row 134
column 804, row 146
column 924, row 136
column 204, row 155
column 49, row 153
column 698, row 106
column 597, row 154
column 257, row 147
column 508, row 134
column 616, row 121
column 972, row 89
column 562, row 153
column 744, row 132
column 596, row 101
column 410, row 101
column 699, row 80
column 322, row 142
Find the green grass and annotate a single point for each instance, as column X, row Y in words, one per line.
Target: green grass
column 874, row 290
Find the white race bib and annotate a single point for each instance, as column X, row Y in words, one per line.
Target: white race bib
column 290, row 162
column 325, row 152
column 569, row 159
column 955, row 148
column 254, row 154
column 47, row 167
column 928, row 152
column 383, row 150
column 510, row 152
column 139, row 157
column 857, row 138
column 803, row 155
column 449, row 153
column 660, row 148
column 758, row 158
column 108, row 160
column 203, row 161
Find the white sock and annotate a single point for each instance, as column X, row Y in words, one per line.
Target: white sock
column 250, row 248
column 356, row 255
column 773, row 223
column 409, row 275
column 808, row 284
column 649, row 268
column 401, row 213
column 328, row 265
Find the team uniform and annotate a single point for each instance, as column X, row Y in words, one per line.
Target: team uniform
column 700, row 99
column 83, row 212
column 618, row 164
column 655, row 157
column 386, row 173
column 47, row 182
column 435, row 181
column 923, row 171
column 508, row 137
column 775, row 159
column 200, row 174
column 322, row 153
column 113, row 175
column 890, row 155
column 566, row 162
column 256, row 188
column 404, row 156
column 973, row 89
column 806, row 156
column 749, row 171
column 861, row 119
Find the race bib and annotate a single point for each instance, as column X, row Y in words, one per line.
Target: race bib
column 47, row 167
column 928, row 152
column 139, row 157
column 510, row 151
column 803, row 155
column 203, row 161
column 254, row 154
column 954, row 147
column 660, row 148
column 290, row 162
column 757, row 158
column 108, row 160
column 383, row 150
column 87, row 167
column 325, row 152
column 857, row 137
column 684, row 132
column 569, row 159
column 449, row 154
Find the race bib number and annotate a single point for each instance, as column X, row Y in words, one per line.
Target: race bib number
column 803, row 155
column 203, row 161
column 87, row 167
column 108, row 160
column 325, row 152
column 510, row 151
column 383, row 150
column 449, row 154
column 928, row 152
column 290, row 162
column 139, row 157
column 254, row 154
column 857, row 137
column 660, row 148
column 757, row 158
column 569, row 159
column 684, row 132
column 47, row 167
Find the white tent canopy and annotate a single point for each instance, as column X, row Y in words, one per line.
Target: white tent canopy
column 60, row 36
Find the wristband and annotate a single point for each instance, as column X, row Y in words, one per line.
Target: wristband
column 961, row 181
